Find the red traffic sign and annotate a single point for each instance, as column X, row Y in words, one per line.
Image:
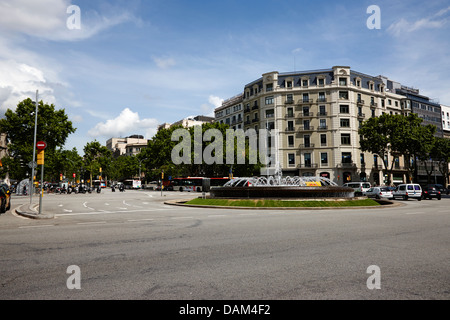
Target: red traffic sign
column 41, row 145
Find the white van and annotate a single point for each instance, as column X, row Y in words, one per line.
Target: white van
column 408, row 190
column 359, row 187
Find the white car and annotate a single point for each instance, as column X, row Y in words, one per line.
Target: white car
column 359, row 187
column 379, row 193
column 408, row 190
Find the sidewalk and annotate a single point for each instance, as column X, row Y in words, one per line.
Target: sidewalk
column 32, row 211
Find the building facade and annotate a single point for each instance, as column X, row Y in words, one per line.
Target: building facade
column 128, row 146
column 188, row 122
column 445, row 113
column 231, row 112
column 317, row 115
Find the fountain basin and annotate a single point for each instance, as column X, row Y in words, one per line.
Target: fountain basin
column 282, row 192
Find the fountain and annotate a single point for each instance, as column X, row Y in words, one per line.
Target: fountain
column 277, row 186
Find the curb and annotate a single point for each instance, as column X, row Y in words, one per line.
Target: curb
column 29, row 211
column 182, row 203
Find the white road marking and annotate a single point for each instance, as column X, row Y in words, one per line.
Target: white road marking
column 87, row 223
column 41, row 226
column 137, row 220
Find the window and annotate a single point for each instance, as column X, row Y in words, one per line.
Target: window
column 359, row 98
column 322, row 124
column 321, row 82
column 289, row 98
column 344, row 108
column 342, row 81
column 270, row 113
column 306, row 97
column 269, row 87
column 322, row 97
column 305, row 83
column 269, row 100
column 307, row 141
column 290, row 126
column 322, row 111
column 363, row 162
column 307, row 157
column 288, row 84
column 343, row 95
column 306, row 124
column 345, row 139
column 290, row 112
column 290, row 141
column 291, row 159
column 345, row 123
column 324, row 159
column 305, row 111
column 346, row 157
column 323, row 140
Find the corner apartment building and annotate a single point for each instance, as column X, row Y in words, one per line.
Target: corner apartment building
column 445, row 111
column 317, row 114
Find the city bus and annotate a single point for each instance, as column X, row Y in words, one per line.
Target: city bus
column 194, row 184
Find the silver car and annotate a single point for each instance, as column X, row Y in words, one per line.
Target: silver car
column 379, row 193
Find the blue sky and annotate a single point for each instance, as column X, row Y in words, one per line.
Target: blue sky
column 135, row 64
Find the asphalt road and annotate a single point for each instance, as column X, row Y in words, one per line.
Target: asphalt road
column 133, row 246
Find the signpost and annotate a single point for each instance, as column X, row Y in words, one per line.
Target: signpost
column 41, row 145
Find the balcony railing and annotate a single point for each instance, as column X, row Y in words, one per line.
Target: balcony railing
column 322, row 128
column 322, row 100
column 307, row 128
column 360, row 102
column 308, row 101
column 361, row 115
column 306, row 114
column 306, row 146
column 290, row 129
column 348, row 165
column 308, row 166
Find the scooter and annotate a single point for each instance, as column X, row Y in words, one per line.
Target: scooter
column 99, row 190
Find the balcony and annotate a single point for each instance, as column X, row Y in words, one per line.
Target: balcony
column 290, row 129
column 255, row 107
column 321, row 100
column 360, row 102
column 306, row 101
column 306, row 114
column 308, row 166
column 247, row 122
column 377, row 167
column 361, row 115
column 255, row 120
column 322, row 114
column 373, row 104
column 321, row 128
column 347, row 165
column 306, row 146
column 247, row 109
column 307, row 128
column 289, row 115
column 290, row 101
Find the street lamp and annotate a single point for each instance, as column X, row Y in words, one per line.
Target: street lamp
column 34, row 149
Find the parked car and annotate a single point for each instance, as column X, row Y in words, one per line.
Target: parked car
column 408, row 190
column 379, row 193
column 430, row 192
column 359, row 187
column 440, row 188
column 5, row 198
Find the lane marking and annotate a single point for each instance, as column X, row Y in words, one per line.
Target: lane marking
column 137, row 220
column 175, row 218
column 41, row 226
column 87, row 223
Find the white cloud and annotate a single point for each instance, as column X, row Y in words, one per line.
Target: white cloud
column 208, row 109
column 48, row 19
column 128, row 122
column 403, row 26
column 19, row 81
column 164, row 63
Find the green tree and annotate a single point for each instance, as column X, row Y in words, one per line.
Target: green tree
column 53, row 127
column 391, row 135
column 441, row 154
column 97, row 160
